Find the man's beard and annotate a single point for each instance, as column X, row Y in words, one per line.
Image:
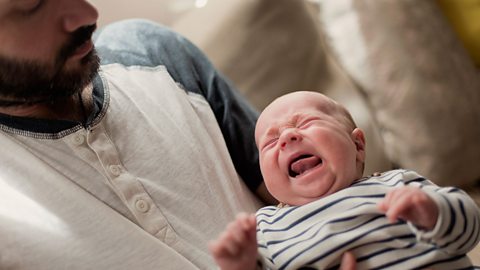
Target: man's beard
column 29, row 82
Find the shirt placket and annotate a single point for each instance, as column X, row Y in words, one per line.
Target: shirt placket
column 126, row 185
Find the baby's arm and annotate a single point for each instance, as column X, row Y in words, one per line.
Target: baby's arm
column 453, row 224
column 236, row 247
column 410, row 204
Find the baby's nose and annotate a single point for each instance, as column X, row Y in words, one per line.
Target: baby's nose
column 289, row 136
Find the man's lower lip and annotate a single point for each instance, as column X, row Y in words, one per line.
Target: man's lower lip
column 83, row 50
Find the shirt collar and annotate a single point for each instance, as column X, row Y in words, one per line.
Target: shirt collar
column 57, row 128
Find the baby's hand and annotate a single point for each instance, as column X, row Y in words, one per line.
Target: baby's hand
column 236, row 247
column 410, row 204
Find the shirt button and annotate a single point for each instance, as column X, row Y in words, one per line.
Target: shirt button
column 116, row 170
column 78, row 139
column 142, row 206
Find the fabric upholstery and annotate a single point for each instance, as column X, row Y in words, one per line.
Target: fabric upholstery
column 418, row 80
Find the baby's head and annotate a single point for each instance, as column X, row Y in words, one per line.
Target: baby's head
column 309, row 147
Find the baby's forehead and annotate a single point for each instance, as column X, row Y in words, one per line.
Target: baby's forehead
column 275, row 117
column 289, row 107
column 293, row 107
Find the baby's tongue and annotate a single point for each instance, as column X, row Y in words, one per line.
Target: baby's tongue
column 304, row 164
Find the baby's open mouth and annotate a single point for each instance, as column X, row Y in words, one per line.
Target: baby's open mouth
column 302, row 164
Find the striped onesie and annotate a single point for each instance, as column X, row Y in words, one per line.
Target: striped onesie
column 316, row 235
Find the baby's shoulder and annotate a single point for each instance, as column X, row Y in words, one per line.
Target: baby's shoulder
column 396, row 177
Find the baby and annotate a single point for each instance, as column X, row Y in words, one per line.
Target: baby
column 312, row 158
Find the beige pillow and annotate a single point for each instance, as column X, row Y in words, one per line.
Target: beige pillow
column 423, row 89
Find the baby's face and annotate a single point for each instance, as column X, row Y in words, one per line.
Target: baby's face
column 307, row 151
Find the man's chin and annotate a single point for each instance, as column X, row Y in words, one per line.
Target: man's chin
column 34, row 83
column 76, row 75
column 87, row 64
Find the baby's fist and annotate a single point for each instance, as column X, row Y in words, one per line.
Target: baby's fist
column 410, row 204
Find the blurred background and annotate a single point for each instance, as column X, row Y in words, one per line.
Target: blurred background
column 408, row 70
column 163, row 11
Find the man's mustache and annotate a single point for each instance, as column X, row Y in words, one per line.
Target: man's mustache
column 78, row 38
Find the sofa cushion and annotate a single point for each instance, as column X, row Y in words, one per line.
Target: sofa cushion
column 421, row 86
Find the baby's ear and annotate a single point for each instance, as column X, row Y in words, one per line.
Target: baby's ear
column 359, row 139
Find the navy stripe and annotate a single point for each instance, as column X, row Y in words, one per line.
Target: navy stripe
column 462, row 210
column 280, row 217
column 326, row 236
column 404, row 259
column 470, row 236
column 313, row 213
column 360, row 205
column 452, row 217
column 270, row 208
column 459, row 257
column 333, row 250
column 268, row 258
column 338, row 220
column 419, row 180
column 377, row 184
column 273, row 210
column 368, row 256
column 478, row 233
column 378, row 252
column 454, row 190
column 385, row 250
column 388, row 184
column 381, row 183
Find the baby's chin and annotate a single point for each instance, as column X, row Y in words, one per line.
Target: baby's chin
column 320, row 194
column 305, row 200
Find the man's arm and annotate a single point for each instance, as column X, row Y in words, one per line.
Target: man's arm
column 235, row 116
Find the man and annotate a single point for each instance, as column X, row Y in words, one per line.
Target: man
column 130, row 165
column 126, row 167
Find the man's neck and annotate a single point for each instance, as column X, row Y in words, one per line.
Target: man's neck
column 74, row 108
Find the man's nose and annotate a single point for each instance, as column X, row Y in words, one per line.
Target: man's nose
column 289, row 136
column 78, row 13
